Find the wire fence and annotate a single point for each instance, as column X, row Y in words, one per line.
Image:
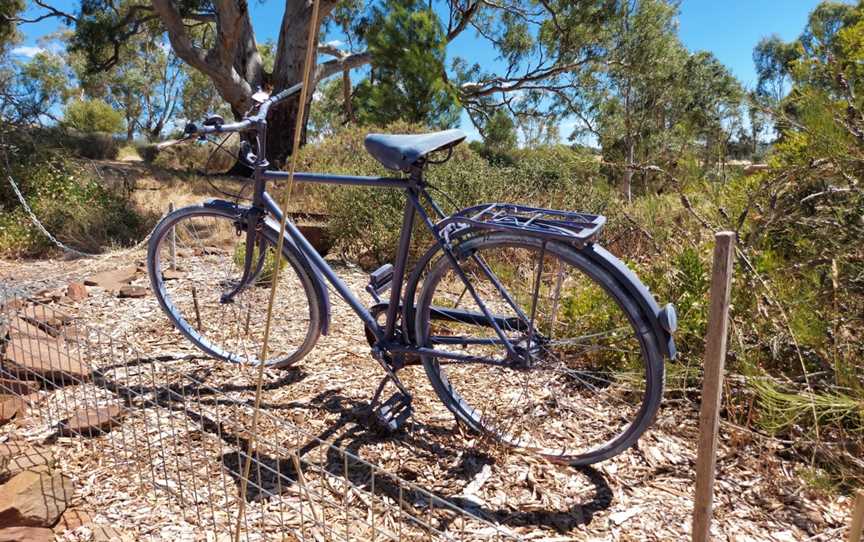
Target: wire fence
column 176, row 432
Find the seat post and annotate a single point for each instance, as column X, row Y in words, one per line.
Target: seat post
column 402, row 251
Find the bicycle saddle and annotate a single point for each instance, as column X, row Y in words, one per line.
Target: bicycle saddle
column 400, row 152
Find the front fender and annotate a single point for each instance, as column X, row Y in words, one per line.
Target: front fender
column 663, row 320
column 322, row 296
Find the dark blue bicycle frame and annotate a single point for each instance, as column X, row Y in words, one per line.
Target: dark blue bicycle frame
column 577, row 228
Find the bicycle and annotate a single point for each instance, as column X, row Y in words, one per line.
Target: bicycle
column 529, row 332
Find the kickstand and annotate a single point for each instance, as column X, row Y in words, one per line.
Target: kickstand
column 390, row 416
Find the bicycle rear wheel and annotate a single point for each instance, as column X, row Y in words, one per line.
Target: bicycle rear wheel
column 208, row 254
column 585, row 376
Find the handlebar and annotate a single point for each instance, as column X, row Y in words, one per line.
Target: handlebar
column 249, row 123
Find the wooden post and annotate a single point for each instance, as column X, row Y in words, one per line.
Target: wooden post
column 857, row 525
column 712, row 383
column 173, row 240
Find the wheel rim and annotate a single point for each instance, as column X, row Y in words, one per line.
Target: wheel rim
column 582, row 385
column 209, row 261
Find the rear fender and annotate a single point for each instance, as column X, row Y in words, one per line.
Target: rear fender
column 663, row 320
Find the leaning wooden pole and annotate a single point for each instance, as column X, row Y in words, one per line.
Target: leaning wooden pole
column 311, row 40
column 712, row 383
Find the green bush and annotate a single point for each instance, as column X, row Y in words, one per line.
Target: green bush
column 92, row 116
column 365, row 222
column 147, row 151
column 93, row 145
column 70, row 201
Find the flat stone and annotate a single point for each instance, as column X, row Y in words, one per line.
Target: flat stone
column 13, row 386
column 93, row 421
column 46, row 296
column 173, row 274
column 20, row 457
column 71, row 519
column 47, row 318
column 34, row 355
column 114, row 279
column 132, row 292
column 12, row 305
column 26, row 534
column 76, row 291
column 11, row 406
column 34, row 499
column 107, row 533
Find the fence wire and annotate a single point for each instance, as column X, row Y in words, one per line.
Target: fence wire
column 175, row 431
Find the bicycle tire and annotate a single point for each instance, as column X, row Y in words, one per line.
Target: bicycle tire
column 466, row 413
column 201, row 339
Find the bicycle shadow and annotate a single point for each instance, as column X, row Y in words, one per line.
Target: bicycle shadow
column 341, row 441
column 351, row 433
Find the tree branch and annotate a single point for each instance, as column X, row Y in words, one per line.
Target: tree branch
column 347, row 62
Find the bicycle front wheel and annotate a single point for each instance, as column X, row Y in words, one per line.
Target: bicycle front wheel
column 582, row 377
column 196, row 256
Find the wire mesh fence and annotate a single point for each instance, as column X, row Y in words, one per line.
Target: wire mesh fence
column 174, row 429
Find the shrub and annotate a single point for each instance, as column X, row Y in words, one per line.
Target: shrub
column 92, row 116
column 147, row 151
column 93, row 145
column 70, row 202
column 365, row 222
column 196, row 156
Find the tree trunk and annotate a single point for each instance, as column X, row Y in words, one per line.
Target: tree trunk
column 626, row 186
column 288, row 71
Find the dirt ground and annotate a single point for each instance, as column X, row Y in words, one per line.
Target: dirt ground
column 643, row 494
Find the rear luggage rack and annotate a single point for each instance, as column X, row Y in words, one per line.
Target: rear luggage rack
column 572, row 227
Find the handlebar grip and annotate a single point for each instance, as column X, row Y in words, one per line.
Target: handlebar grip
column 192, row 129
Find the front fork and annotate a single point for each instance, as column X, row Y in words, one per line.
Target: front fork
column 252, row 222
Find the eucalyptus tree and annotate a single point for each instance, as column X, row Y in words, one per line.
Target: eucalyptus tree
column 522, row 32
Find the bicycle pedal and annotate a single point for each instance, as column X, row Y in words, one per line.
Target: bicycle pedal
column 379, row 281
column 391, row 415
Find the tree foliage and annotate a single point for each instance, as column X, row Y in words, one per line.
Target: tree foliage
column 92, row 115
column 406, row 41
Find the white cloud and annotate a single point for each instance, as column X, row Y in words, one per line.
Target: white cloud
column 28, row 51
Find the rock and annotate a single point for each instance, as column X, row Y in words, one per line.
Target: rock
column 172, row 274
column 92, row 421
column 12, row 305
column 113, row 280
column 33, row 354
column 132, row 292
column 209, row 251
column 20, row 457
column 107, row 533
column 318, row 236
column 76, row 291
column 71, row 519
column 26, row 534
column 45, row 296
column 12, row 386
column 47, row 318
column 34, row 499
column 11, row 406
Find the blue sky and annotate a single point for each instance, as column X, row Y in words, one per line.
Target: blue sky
column 727, row 28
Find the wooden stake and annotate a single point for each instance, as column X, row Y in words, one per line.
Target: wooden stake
column 712, row 383
column 857, row 525
column 173, row 240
